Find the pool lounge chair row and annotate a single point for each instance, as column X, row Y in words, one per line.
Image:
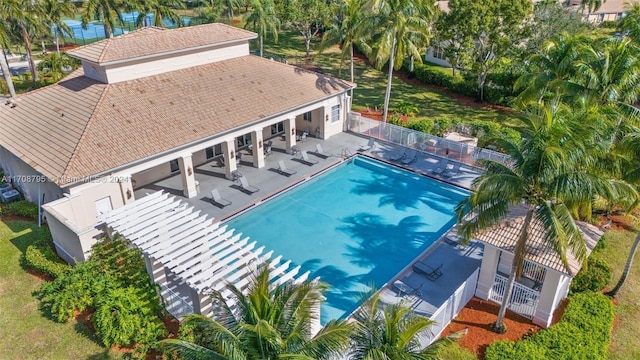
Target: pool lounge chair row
column 405, row 157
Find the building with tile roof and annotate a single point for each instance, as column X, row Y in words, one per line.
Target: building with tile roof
column 149, row 104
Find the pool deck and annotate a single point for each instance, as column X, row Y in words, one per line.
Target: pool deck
column 457, row 264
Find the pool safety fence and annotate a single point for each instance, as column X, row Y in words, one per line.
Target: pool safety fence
column 417, row 140
column 452, row 306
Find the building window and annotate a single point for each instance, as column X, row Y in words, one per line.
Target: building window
column 306, row 116
column 103, row 205
column 438, row 52
column 213, row 151
column 175, row 167
column 335, row 113
column 277, row 128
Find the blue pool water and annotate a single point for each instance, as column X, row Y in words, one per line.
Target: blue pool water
column 355, row 227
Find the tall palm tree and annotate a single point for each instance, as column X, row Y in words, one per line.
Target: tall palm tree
column 391, row 332
column 105, row 11
column 347, row 28
column 552, row 171
column 26, row 19
column 58, row 65
column 263, row 19
column 54, row 11
column 4, row 66
column 268, row 324
column 160, row 9
column 631, row 22
column 403, row 27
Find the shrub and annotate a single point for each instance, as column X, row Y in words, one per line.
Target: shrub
column 407, row 108
column 396, row 120
column 22, row 208
column 593, row 277
column 422, row 124
column 43, row 259
column 123, row 318
column 583, row 333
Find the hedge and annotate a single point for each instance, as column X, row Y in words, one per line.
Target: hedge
column 593, row 277
column 44, row 260
column 583, row 333
column 22, row 208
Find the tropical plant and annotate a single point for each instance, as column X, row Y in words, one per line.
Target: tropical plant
column 551, row 172
column 631, row 22
column 55, row 11
column 269, row 323
column 160, row 9
column 26, row 19
column 591, row 6
column 207, row 14
column 402, row 28
column 57, row 65
column 263, row 19
column 346, row 29
column 102, row 10
column 391, row 331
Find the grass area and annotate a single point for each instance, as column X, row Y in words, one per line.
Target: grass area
column 372, row 83
column 625, row 343
column 25, row 331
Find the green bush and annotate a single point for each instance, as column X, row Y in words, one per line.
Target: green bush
column 583, row 333
column 22, row 208
column 407, row 108
column 395, row 120
column 43, row 259
column 124, row 318
column 593, row 277
column 421, row 124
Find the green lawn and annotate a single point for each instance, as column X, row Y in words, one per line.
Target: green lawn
column 372, row 83
column 25, row 332
column 625, row 343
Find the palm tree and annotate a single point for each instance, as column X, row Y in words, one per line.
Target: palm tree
column 391, row 332
column 54, row 11
column 263, row 19
column 207, row 15
column 26, row 19
column 103, row 10
column 631, row 22
column 346, row 29
column 161, row 9
column 4, row 66
column 551, row 173
column 267, row 324
column 591, row 6
column 403, row 28
column 627, row 268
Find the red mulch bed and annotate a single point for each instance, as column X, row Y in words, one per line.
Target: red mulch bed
column 477, row 317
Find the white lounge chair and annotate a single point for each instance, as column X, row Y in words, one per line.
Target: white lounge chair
column 244, row 184
column 217, row 199
column 410, row 158
column 441, row 168
column 400, row 154
column 319, row 152
column 282, row 169
column 305, row 158
column 370, row 145
column 455, row 170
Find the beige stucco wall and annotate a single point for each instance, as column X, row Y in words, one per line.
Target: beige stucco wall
column 82, row 208
column 27, row 179
column 146, row 67
column 151, row 175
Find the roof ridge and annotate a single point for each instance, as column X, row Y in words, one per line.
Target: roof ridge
column 84, row 134
column 104, row 48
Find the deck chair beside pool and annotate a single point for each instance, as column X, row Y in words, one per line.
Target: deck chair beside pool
column 440, row 168
column 282, row 169
column 400, row 154
column 455, row 170
column 319, row 152
column 306, row 160
column 244, row 184
column 430, row 272
column 411, row 157
column 219, row 200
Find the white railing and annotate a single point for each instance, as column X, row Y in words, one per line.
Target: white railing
column 424, row 142
column 533, row 271
column 450, row 309
column 523, row 301
column 174, row 303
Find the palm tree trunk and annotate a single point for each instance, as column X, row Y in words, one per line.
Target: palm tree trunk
column 516, row 270
column 411, row 63
column 627, row 268
column 261, row 44
column 57, row 44
column 387, row 94
column 32, row 63
column 352, row 70
column 107, row 31
column 7, row 74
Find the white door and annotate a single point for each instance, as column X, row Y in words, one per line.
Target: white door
column 103, row 205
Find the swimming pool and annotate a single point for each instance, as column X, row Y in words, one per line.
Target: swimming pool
column 355, row 226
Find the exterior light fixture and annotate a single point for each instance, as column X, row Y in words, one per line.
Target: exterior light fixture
column 189, row 171
column 129, row 194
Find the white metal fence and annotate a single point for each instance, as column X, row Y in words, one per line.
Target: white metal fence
column 523, row 301
column 424, row 142
column 533, row 271
column 174, row 303
column 454, row 304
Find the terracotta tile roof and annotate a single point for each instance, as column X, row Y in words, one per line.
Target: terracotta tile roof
column 109, row 125
column 152, row 41
column 505, row 237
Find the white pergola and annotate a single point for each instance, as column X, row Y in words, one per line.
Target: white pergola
column 182, row 247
